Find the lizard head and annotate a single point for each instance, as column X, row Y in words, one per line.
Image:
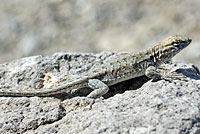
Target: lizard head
column 171, row 46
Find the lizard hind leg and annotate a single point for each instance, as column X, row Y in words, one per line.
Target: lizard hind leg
column 99, row 88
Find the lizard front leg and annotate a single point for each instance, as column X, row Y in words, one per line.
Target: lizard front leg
column 152, row 73
column 99, row 88
column 162, row 73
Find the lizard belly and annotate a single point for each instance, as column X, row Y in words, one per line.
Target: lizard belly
column 114, row 80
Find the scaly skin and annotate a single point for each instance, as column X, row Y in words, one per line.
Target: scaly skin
column 113, row 70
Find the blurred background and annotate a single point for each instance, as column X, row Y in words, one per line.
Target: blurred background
column 43, row 27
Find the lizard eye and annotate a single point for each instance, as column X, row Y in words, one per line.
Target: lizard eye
column 177, row 43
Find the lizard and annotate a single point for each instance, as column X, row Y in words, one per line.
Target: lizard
column 117, row 68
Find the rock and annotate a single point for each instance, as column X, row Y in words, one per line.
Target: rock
column 153, row 107
column 95, row 26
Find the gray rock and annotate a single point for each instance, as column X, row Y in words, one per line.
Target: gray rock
column 34, row 27
column 156, row 107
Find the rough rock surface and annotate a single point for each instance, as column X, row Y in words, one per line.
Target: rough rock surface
column 148, row 107
column 48, row 26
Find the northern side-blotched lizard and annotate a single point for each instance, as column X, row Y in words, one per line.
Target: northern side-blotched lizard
column 113, row 70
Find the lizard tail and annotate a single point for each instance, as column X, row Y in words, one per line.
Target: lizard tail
column 62, row 88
